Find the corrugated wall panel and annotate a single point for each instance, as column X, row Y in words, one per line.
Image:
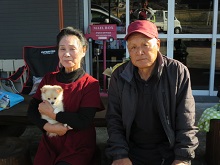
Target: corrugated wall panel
column 31, row 22
column 73, row 13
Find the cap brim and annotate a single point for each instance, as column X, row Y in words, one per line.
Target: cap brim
column 140, row 31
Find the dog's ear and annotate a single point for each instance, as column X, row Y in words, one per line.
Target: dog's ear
column 59, row 89
column 43, row 90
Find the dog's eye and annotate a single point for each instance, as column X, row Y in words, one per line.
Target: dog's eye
column 55, row 98
column 48, row 98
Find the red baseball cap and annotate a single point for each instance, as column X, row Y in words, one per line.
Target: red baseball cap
column 145, row 27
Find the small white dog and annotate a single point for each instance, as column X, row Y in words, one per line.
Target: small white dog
column 54, row 95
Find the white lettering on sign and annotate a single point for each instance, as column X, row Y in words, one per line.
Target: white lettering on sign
column 102, row 38
column 103, row 28
column 99, row 33
column 48, row 52
column 98, row 27
column 109, row 27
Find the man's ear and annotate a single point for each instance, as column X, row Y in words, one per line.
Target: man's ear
column 158, row 44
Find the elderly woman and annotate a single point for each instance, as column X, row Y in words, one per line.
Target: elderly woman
column 81, row 101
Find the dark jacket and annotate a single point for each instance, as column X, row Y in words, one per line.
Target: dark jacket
column 175, row 104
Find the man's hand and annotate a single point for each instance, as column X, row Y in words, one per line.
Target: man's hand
column 124, row 161
column 179, row 162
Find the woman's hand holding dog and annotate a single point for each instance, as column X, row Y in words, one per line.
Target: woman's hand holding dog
column 58, row 128
column 45, row 108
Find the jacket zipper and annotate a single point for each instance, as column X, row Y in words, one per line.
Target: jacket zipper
column 166, row 108
column 166, row 118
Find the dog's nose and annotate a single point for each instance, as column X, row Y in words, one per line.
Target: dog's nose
column 52, row 102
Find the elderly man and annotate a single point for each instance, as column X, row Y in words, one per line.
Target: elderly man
column 151, row 109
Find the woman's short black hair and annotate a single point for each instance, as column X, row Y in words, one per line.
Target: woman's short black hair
column 72, row 31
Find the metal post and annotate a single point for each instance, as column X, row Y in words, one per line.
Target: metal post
column 104, row 65
column 97, row 52
column 60, row 3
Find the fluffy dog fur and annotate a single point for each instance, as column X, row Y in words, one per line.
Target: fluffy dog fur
column 54, row 95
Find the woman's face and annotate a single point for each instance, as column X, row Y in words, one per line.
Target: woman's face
column 71, row 52
column 143, row 50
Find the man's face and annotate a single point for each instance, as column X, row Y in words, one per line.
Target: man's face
column 143, row 50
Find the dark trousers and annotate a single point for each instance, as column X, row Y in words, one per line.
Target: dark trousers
column 151, row 155
column 167, row 161
column 161, row 161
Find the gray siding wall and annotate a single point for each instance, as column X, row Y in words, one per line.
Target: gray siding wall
column 34, row 23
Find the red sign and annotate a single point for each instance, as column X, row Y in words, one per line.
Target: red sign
column 102, row 32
